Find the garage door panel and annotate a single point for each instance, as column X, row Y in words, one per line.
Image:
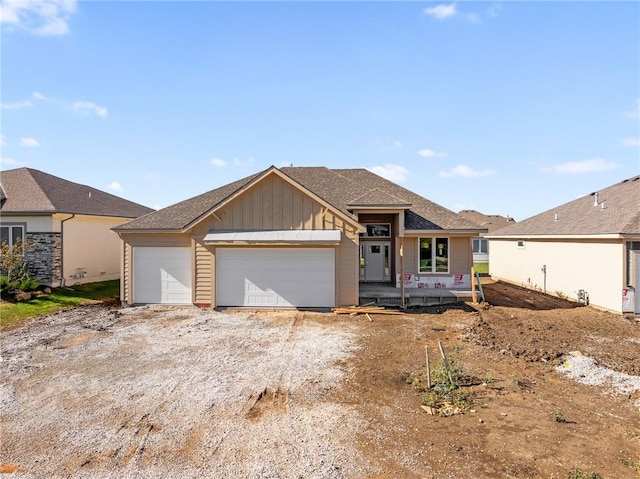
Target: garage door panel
column 275, row 277
column 162, row 275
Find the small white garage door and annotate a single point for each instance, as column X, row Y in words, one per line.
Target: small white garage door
column 275, row 277
column 162, row 275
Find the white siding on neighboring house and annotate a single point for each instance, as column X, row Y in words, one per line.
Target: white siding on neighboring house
column 595, row 267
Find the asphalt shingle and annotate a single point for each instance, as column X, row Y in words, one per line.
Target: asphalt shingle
column 29, row 191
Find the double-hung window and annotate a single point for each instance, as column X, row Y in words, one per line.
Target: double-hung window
column 434, row 255
column 480, row 245
column 11, row 234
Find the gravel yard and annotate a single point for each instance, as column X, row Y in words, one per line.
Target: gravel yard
column 176, row 392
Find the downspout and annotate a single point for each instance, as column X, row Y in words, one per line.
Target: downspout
column 62, row 278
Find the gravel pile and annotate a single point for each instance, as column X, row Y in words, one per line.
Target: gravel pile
column 585, row 370
column 154, row 392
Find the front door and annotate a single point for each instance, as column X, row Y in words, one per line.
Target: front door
column 376, row 256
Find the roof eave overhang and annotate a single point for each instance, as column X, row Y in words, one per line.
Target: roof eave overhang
column 29, row 213
column 364, row 208
column 547, row 237
column 141, row 230
column 451, row 232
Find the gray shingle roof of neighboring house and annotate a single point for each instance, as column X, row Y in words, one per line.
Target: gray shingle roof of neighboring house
column 344, row 189
column 490, row 222
column 29, row 191
column 612, row 210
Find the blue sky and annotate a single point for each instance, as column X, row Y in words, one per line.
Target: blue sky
column 508, row 108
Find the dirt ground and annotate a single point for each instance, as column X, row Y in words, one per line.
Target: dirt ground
column 161, row 392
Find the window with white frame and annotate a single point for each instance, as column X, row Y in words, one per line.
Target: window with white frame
column 434, row 255
column 11, row 234
column 480, row 245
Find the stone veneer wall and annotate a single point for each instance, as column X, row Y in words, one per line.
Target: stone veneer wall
column 44, row 256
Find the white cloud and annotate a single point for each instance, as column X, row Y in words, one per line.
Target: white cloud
column 40, row 17
column 86, row 107
column 631, row 141
column 16, row 105
column 239, row 162
column 465, row 171
column 395, row 173
column 115, row 186
column 441, row 11
column 39, row 96
column 218, row 162
column 577, row 167
column 432, row 154
column 29, row 142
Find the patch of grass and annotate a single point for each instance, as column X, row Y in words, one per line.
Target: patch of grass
column 60, row 298
column 558, row 416
column 577, row 473
column 481, row 268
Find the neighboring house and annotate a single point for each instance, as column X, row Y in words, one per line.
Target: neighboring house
column 491, row 223
column 295, row 237
column 587, row 249
column 67, row 226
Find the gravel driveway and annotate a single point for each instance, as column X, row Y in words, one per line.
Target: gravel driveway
column 150, row 392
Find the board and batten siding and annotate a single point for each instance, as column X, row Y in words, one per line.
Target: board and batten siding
column 270, row 204
column 594, row 266
column 133, row 240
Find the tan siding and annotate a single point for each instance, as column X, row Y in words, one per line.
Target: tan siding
column 125, row 286
column 287, row 207
column 411, row 254
column 203, row 274
column 347, row 285
column 267, row 203
column 460, row 254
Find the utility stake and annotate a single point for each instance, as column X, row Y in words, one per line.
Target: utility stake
column 446, row 363
column 369, row 317
column 426, row 355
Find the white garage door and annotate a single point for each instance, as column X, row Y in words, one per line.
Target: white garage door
column 162, row 275
column 275, row 277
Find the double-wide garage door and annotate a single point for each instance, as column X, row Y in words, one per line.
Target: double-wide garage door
column 162, row 275
column 275, row 277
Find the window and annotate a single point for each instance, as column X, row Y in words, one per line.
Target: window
column 434, row 255
column 480, row 245
column 11, row 234
column 520, row 244
column 377, row 230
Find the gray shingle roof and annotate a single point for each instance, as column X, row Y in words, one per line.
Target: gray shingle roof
column 179, row 215
column 490, row 222
column 33, row 191
column 341, row 188
column 617, row 212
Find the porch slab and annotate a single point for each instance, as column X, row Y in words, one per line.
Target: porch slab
column 389, row 295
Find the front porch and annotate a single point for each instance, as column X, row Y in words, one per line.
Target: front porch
column 388, row 295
